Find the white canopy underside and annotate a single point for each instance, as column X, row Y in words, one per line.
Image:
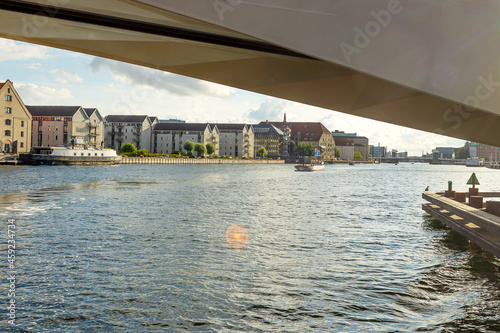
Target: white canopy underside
column 427, row 65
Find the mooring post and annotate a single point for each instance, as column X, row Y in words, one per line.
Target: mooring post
column 450, row 193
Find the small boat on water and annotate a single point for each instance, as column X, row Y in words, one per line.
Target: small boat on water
column 309, row 167
column 69, row 156
column 474, row 162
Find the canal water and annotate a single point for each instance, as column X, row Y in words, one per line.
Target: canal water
column 142, row 248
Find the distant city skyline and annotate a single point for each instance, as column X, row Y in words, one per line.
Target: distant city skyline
column 48, row 76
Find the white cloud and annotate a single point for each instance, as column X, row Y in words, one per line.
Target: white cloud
column 12, row 50
column 40, row 95
column 147, row 78
column 271, row 109
column 65, row 76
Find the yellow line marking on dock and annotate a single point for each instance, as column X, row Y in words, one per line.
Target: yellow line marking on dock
column 444, row 211
column 473, row 226
column 455, row 217
column 435, row 206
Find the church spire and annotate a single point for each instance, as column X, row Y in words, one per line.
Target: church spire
column 284, row 117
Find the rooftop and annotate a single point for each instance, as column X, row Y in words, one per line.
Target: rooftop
column 52, row 110
column 196, row 127
column 125, row 119
column 309, row 130
column 266, row 129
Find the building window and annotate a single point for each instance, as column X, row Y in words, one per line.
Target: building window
column 8, row 110
column 8, row 90
column 8, row 122
column 56, row 137
column 8, row 98
column 22, row 144
column 7, row 133
column 22, row 123
column 22, row 134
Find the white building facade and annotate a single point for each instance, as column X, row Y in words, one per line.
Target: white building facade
column 236, row 140
column 137, row 130
column 169, row 137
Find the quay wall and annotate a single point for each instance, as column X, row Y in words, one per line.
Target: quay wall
column 140, row 160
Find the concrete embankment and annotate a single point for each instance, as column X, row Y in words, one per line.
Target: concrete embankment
column 140, row 160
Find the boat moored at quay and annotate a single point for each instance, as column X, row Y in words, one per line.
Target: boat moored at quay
column 69, row 156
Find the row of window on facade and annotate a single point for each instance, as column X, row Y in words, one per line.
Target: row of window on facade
column 9, row 122
column 66, row 119
column 9, row 133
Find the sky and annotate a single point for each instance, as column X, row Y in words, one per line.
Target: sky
column 49, row 76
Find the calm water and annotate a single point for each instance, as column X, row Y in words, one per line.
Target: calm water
column 141, row 248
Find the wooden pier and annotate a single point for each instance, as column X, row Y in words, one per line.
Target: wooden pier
column 476, row 224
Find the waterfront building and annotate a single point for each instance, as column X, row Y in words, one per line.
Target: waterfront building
column 63, row 125
column 346, row 148
column 361, row 143
column 269, row 137
column 446, row 152
column 169, row 137
column 312, row 132
column 378, row 151
column 96, row 127
column 137, row 130
column 15, row 121
column 482, row 151
column 236, row 140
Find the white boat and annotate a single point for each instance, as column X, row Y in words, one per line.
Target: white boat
column 474, row 162
column 69, row 156
column 309, row 167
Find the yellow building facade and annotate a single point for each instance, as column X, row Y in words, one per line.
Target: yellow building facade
column 15, row 121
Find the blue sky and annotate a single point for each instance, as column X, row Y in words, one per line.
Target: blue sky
column 48, row 76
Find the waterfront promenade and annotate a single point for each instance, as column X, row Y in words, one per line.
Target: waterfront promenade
column 146, row 160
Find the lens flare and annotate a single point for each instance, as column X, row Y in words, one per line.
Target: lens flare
column 236, row 236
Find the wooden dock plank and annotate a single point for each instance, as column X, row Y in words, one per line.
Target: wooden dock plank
column 456, row 217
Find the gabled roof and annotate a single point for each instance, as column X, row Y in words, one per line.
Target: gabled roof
column 196, row 127
column 1, row 85
column 125, row 119
column 52, row 110
column 266, row 129
column 153, row 119
column 89, row 111
column 310, row 130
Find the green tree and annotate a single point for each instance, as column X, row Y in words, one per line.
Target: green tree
column 128, row 147
column 292, row 146
column 189, row 147
column 338, row 153
column 200, row 149
column 462, row 153
column 262, row 152
column 143, row 152
column 305, row 149
column 210, row 148
column 358, row 155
